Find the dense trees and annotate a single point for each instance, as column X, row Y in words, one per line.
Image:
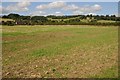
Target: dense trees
column 13, row 16
column 59, row 20
column 9, row 23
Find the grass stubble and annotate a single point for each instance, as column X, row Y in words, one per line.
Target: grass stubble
column 60, row 51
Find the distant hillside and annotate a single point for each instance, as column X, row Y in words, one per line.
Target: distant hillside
column 16, row 19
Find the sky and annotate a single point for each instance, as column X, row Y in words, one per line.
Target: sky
column 59, row 8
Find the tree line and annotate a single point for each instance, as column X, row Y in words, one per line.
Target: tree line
column 59, row 20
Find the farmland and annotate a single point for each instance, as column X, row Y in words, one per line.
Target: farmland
column 55, row 51
column 16, row 19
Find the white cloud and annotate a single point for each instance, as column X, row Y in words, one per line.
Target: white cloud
column 91, row 14
column 18, row 7
column 71, row 7
column 4, row 10
column 78, row 13
column 52, row 5
column 42, row 7
column 96, row 7
column 58, row 14
column 57, row 4
column 90, row 9
column 23, row 4
column 82, row 9
column 42, row 13
column 87, row 9
column 38, row 13
column 76, row 10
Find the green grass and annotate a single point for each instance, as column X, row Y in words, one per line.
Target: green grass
column 3, row 19
column 106, row 21
column 71, row 50
column 109, row 72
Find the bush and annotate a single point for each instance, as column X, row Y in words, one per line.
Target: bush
column 9, row 23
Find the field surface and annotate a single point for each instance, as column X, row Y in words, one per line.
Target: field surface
column 60, row 51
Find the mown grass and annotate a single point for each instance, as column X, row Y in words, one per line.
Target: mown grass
column 60, row 51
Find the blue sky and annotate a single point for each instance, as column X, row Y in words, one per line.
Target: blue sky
column 60, row 8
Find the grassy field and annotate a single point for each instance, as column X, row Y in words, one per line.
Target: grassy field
column 60, row 51
column 3, row 19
